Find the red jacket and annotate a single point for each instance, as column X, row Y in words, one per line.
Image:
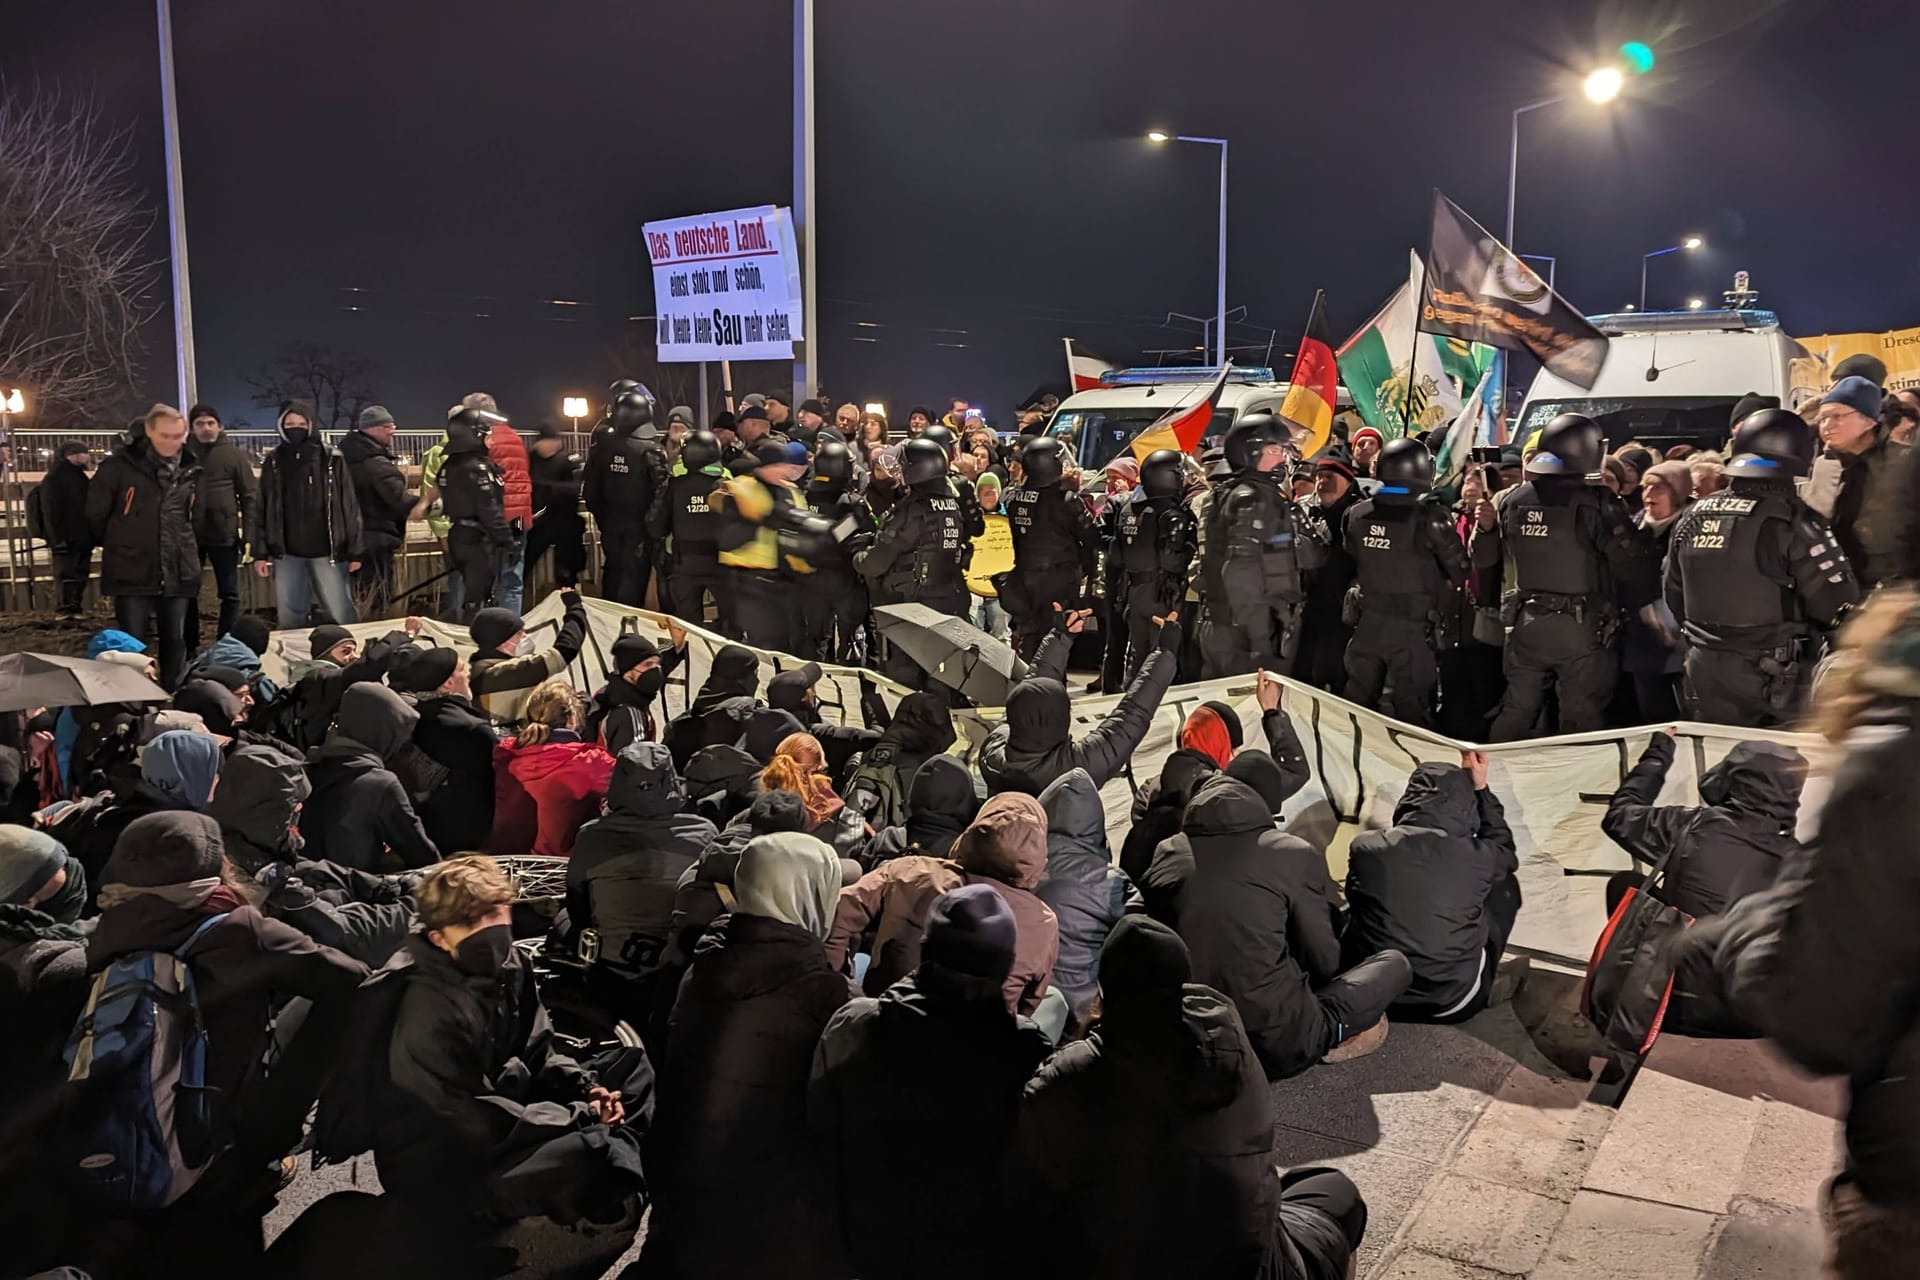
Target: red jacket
column 509, row 453
column 543, row 794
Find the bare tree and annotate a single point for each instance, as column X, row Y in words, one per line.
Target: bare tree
column 76, row 281
column 338, row 384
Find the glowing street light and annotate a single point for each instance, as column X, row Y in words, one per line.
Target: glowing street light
column 1601, row 86
column 1693, row 242
column 1156, row 136
column 1689, row 245
column 14, row 402
column 874, row 406
column 1220, row 336
column 1694, row 304
column 574, row 407
column 1604, row 85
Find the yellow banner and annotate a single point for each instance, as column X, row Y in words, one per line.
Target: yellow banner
column 1900, row 349
column 992, row 553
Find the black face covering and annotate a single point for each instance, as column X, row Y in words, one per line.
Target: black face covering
column 70, row 903
column 296, row 436
column 650, row 683
column 485, row 951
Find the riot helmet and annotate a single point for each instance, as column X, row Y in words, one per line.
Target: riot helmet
column 1773, row 444
column 1044, row 462
column 1569, row 446
column 1250, row 435
column 1404, row 464
column 1163, row 474
column 921, row 460
column 633, row 409
column 700, row 449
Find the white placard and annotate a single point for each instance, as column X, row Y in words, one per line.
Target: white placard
column 726, row 286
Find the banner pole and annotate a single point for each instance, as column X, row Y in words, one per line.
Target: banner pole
column 1413, row 354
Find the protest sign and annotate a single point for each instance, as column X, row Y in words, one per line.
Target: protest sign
column 1899, row 349
column 992, row 553
column 726, row 286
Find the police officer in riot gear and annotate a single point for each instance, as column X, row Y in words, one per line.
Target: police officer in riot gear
column 1254, row 554
column 1574, row 556
column 973, row 521
column 768, row 542
column 1405, row 555
column 1053, row 545
column 1755, row 577
column 835, row 608
column 626, row 469
column 1148, row 558
column 917, row 553
column 557, row 524
column 685, row 525
column 473, row 499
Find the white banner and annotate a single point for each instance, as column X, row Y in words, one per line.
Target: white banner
column 726, row 286
column 1554, row 790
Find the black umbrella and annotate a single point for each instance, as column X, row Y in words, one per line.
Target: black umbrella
column 44, row 680
column 953, row 651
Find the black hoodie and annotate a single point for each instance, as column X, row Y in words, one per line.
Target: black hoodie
column 881, row 785
column 711, row 718
column 939, row 807
column 1420, row 887
column 457, row 736
column 257, row 804
column 626, row 865
column 1034, row 744
column 359, row 811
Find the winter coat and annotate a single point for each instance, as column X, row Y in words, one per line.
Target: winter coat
column 626, row 865
column 1006, row 848
column 457, row 814
column 940, row 804
column 881, row 785
column 883, row 1067
column 359, row 814
column 257, row 805
column 1158, row 809
column 227, row 512
column 1087, row 892
column 711, row 718
column 43, row 986
column 1034, row 744
column 509, row 453
column 697, row 900
column 229, row 651
column 305, row 710
column 1152, row 1155
column 63, row 507
column 141, row 515
column 308, row 508
column 1866, row 512
column 360, row 915
column 1420, row 887
column 380, row 489
column 502, row 681
column 1732, row 847
column 737, row 1178
column 1258, row 918
column 91, row 828
column 620, row 716
column 721, row 782
column 544, row 792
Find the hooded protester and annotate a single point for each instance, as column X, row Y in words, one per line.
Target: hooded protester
column 1257, row 916
column 178, row 770
column 736, row 1175
column 627, row 864
column 455, row 735
column 550, row 778
column 361, row 816
column 166, row 877
column 241, row 647
column 310, row 530
column 705, row 891
column 881, row 785
column 183, row 766
column 733, row 673
column 722, row 781
column 622, row 712
column 1087, row 893
column 258, row 806
column 1006, row 847
column 799, row 765
column 761, row 729
column 43, row 974
column 506, row 668
column 884, row 1065
column 1147, row 1148
column 218, row 707
column 1034, row 744
column 1438, row 886
column 940, row 804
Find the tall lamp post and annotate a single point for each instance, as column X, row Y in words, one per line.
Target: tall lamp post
column 1688, row 245
column 574, row 407
column 1220, row 330
column 1600, row 87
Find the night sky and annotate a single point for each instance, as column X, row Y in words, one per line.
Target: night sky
column 450, row 169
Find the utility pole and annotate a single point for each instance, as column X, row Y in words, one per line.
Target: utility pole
column 176, row 219
column 806, row 373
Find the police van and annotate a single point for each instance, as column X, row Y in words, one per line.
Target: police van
column 1673, row 377
column 1098, row 424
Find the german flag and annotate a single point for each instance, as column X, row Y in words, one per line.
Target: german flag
column 1314, row 387
column 1180, row 428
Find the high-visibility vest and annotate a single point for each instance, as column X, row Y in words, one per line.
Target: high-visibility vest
column 753, row 500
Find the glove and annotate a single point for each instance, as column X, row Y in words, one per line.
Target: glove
column 570, row 597
column 1170, row 635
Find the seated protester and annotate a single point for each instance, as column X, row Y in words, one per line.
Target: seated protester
column 1733, row 846
column 88, row 729
column 548, row 778
column 1257, row 916
column 626, row 865
column 940, row 804
column 1005, row 847
column 43, row 976
column 223, row 710
column 167, row 877
column 455, row 735
column 705, row 889
column 1209, row 740
column 258, row 807
column 501, row 675
column 881, row 784
column 722, row 781
column 1438, row 886
column 1034, row 744
column 1087, row 892
column 735, row 1172
column 359, row 814
column 178, row 770
column 305, row 709
column 1147, row 1148
column 885, row 1065
column 733, row 673
column 241, row 649
column 799, row 766
column 1163, row 887
column 762, row 729
column 622, row 712
column 793, row 692
column 475, row 1114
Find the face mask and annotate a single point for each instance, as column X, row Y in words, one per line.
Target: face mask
column 650, row 683
column 524, row 648
column 296, row 436
column 484, row 951
column 67, row 905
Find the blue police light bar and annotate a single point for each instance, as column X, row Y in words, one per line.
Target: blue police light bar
column 1673, row 321
column 1182, row 373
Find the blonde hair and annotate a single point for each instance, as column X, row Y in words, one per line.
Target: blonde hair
column 460, row 891
column 1863, row 670
column 553, row 705
column 797, row 766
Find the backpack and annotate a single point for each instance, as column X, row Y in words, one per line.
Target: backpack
column 142, row 1129
column 37, row 514
column 297, row 716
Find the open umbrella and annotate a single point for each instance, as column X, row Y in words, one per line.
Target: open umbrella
column 45, row 680
column 953, row 651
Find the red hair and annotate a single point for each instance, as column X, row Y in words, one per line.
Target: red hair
column 798, row 766
column 1206, row 733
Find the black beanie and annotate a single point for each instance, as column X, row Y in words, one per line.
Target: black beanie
column 971, row 930
column 1872, row 368
column 494, row 626
column 421, row 668
column 252, row 632
column 203, row 411
column 1144, row 969
column 630, row 650
column 1261, row 772
column 776, row 811
column 173, row 846
column 232, row 679
column 1230, row 718
column 324, row 637
column 1751, row 403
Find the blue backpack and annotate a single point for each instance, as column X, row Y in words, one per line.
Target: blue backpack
column 142, row 1130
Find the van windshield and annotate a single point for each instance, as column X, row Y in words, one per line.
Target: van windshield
column 1700, row 421
column 1097, row 435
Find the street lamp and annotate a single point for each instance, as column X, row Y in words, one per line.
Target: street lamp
column 875, row 406
column 1600, row 87
column 1220, row 334
column 1688, row 245
column 1694, row 304
column 574, row 407
column 15, row 402
column 1604, row 85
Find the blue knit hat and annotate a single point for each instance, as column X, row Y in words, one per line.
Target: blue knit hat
column 1857, row 393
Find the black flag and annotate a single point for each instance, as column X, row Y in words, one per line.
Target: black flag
column 1477, row 289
